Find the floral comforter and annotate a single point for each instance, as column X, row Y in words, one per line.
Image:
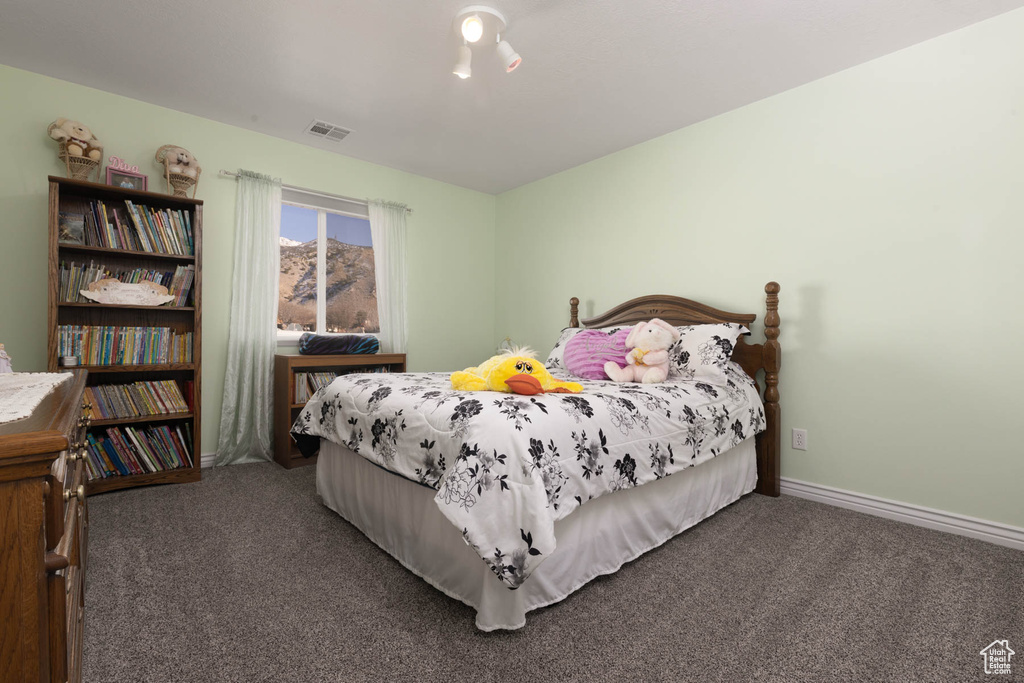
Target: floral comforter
column 507, row 467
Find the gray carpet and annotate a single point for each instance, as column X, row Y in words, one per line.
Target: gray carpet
column 245, row 576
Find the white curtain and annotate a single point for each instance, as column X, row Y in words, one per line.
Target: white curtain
column 246, row 416
column 387, row 230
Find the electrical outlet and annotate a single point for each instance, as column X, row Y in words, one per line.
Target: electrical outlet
column 800, row 439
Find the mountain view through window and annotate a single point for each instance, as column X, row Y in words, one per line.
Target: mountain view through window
column 347, row 294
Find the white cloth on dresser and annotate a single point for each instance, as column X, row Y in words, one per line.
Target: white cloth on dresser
column 21, row 392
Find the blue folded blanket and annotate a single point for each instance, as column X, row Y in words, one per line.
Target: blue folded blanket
column 329, row 344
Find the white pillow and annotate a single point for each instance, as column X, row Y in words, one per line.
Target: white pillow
column 703, row 351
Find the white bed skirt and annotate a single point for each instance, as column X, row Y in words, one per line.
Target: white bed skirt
column 401, row 517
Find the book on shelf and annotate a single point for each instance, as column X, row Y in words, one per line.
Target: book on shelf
column 71, row 228
column 74, row 277
column 135, row 227
column 308, row 383
column 117, row 345
column 136, row 399
column 124, row 451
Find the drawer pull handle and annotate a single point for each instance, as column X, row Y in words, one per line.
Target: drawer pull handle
column 79, row 493
column 55, row 562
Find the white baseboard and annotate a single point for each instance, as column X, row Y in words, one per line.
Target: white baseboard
column 993, row 532
column 207, row 459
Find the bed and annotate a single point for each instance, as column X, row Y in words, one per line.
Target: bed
column 510, row 503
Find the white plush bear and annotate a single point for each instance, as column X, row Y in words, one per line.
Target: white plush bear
column 178, row 160
column 647, row 361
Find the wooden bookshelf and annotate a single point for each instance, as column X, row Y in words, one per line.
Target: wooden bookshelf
column 169, row 367
column 79, row 304
column 73, row 196
column 100, row 251
column 287, row 408
column 166, row 417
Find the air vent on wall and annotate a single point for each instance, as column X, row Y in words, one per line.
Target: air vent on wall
column 327, row 131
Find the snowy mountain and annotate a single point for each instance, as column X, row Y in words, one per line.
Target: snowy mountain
column 285, row 242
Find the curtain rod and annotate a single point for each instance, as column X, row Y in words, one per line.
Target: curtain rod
column 315, row 193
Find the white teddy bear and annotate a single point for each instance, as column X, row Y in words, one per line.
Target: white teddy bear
column 178, row 160
column 647, row 361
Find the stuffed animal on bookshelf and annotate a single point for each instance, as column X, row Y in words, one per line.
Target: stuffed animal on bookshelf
column 113, row 291
column 647, row 360
column 77, row 139
column 178, row 160
column 5, row 361
column 512, row 371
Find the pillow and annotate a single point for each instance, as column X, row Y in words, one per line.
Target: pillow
column 556, row 359
column 703, row 351
column 587, row 352
column 330, row 344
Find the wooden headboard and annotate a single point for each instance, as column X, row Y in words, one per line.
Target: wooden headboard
column 752, row 358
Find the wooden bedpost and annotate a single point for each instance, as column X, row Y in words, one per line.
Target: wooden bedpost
column 574, row 312
column 770, row 440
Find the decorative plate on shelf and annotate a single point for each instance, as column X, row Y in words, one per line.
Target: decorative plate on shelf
column 111, row 291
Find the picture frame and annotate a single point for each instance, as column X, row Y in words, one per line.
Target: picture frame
column 127, row 179
column 122, row 174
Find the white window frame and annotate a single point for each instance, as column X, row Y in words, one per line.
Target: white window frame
column 291, row 337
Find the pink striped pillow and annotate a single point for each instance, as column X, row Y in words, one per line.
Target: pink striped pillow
column 588, row 351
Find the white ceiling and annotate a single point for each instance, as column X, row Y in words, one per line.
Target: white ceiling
column 596, row 77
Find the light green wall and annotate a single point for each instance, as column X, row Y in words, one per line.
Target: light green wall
column 885, row 200
column 888, row 201
column 447, row 221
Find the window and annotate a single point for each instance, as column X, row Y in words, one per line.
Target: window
column 327, row 281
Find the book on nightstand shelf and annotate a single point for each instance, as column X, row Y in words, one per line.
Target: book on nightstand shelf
column 308, row 383
column 144, row 362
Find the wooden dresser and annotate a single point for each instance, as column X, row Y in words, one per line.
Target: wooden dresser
column 43, row 536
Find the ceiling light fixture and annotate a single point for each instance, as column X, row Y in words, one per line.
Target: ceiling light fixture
column 510, row 59
column 462, row 68
column 472, row 23
column 472, row 28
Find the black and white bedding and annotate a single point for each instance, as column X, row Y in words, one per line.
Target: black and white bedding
column 507, row 467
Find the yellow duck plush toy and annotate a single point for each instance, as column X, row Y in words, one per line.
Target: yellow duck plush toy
column 512, row 371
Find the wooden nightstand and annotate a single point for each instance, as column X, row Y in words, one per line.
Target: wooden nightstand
column 286, row 407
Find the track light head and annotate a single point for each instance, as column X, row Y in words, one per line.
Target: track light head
column 472, row 28
column 462, row 64
column 509, row 58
